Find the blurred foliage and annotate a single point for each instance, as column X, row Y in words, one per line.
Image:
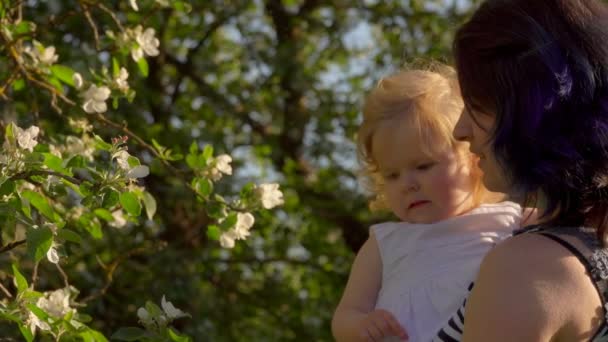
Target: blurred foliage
column 278, row 85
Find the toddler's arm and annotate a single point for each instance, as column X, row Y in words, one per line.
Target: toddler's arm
column 355, row 318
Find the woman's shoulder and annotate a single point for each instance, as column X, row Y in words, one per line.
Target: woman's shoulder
column 533, row 274
column 534, row 256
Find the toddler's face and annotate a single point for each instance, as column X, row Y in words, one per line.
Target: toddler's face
column 420, row 188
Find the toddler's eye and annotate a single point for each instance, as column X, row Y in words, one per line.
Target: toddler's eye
column 391, row 176
column 425, row 166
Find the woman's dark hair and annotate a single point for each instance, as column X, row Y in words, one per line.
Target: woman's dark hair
column 541, row 66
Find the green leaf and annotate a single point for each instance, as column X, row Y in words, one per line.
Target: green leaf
column 175, row 336
column 208, row 152
column 39, row 241
column 38, row 312
column 53, row 162
column 133, row 161
column 104, row 214
column 86, row 189
column 115, row 67
column 229, row 222
column 130, row 203
column 247, row 190
column 23, row 27
column 63, row 73
column 203, row 186
column 26, row 332
column 143, row 66
column 9, row 317
column 110, row 199
column 92, row 225
column 19, row 280
column 150, row 204
column 31, row 294
column 25, row 207
column 129, row 334
column 69, row 235
column 7, row 187
column 153, row 309
column 18, row 84
column 9, row 134
column 39, row 202
column 215, row 210
column 213, row 232
column 160, row 148
column 102, row 145
column 77, row 162
column 192, row 161
column 56, row 83
column 91, row 335
column 193, row 148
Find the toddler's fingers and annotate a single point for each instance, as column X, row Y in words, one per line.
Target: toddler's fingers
column 374, row 334
column 395, row 327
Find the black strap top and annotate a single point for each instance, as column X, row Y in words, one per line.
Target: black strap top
column 594, row 259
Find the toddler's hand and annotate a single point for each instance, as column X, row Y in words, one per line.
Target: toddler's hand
column 378, row 324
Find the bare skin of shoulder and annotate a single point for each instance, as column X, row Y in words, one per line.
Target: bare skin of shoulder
column 532, row 289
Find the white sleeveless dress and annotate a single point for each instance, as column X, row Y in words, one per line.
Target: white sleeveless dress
column 427, row 268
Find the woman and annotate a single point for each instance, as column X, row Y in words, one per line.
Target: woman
column 534, row 77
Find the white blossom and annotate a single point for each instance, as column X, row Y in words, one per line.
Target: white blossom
column 80, row 124
column 42, row 55
column 48, row 56
column 122, row 159
column 52, row 255
column 137, row 53
column 227, row 239
column 55, row 150
column 95, row 99
column 77, row 146
column 220, row 165
column 121, row 80
column 144, row 316
column 171, row 311
column 147, row 41
column 35, row 322
column 244, row 222
column 56, row 304
column 133, row 4
column 269, row 195
column 163, row 3
column 119, row 219
column 78, row 81
column 27, row 138
column 139, row 171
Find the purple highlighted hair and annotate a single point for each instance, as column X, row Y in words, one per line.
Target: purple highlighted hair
column 541, row 66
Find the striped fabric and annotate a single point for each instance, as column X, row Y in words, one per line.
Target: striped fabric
column 452, row 331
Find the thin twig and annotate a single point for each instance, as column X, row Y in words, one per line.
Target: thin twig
column 87, row 14
column 35, row 274
column 8, row 82
column 112, row 15
column 28, row 174
column 139, row 140
column 8, row 294
column 111, row 268
column 11, row 245
column 64, row 275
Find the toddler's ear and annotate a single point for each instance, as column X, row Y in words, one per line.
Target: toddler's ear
column 529, row 216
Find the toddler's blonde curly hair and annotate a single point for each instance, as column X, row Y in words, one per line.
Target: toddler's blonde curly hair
column 430, row 100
